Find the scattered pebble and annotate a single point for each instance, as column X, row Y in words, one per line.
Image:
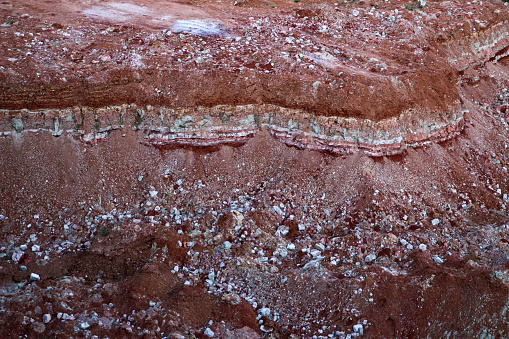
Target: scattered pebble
column 46, row 318
column 209, row 333
column 369, row 258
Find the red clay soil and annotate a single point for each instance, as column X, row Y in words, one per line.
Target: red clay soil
column 249, row 169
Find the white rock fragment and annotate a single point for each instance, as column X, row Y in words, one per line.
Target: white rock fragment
column 264, row 311
column 84, row 325
column 16, row 256
column 315, row 253
column 278, row 210
column 369, row 258
column 34, row 277
column 227, row 245
column 153, row 194
column 423, row 247
column 358, row 329
column 320, row 247
column 209, row 333
column 266, row 329
column 437, row 259
column 291, row 246
column 282, row 231
column 435, row 222
column 46, row 318
column 36, row 248
column 312, row 264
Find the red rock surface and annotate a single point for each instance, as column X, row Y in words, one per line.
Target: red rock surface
column 285, row 170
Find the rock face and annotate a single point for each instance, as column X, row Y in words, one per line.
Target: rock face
column 219, row 125
column 254, row 170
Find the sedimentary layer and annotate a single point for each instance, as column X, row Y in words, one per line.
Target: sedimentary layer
column 201, row 126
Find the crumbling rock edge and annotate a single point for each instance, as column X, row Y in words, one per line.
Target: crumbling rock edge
column 201, row 126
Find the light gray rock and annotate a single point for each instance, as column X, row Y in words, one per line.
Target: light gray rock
column 46, row 318
column 17, row 124
column 264, row 311
column 209, row 333
column 437, row 259
column 358, row 329
column 370, row 258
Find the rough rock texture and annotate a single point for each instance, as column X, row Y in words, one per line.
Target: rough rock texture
column 243, row 169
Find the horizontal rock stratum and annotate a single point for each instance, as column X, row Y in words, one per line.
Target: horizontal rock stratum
column 201, row 126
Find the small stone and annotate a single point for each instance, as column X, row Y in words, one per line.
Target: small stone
column 232, row 298
column 23, row 247
column 16, row 256
column 34, row 277
column 22, row 268
column 278, row 210
column 85, row 325
column 266, row 329
column 423, row 247
column 46, row 318
column 227, row 245
column 435, row 222
column 358, row 329
column 369, row 258
column 320, row 247
column 315, row 253
column 36, row 248
column 437, row 259
column 264, row 311
column 17, row 124
column 38, row 327
column 209, row 333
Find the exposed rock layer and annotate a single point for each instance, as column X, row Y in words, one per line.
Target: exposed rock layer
column 225, row 125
